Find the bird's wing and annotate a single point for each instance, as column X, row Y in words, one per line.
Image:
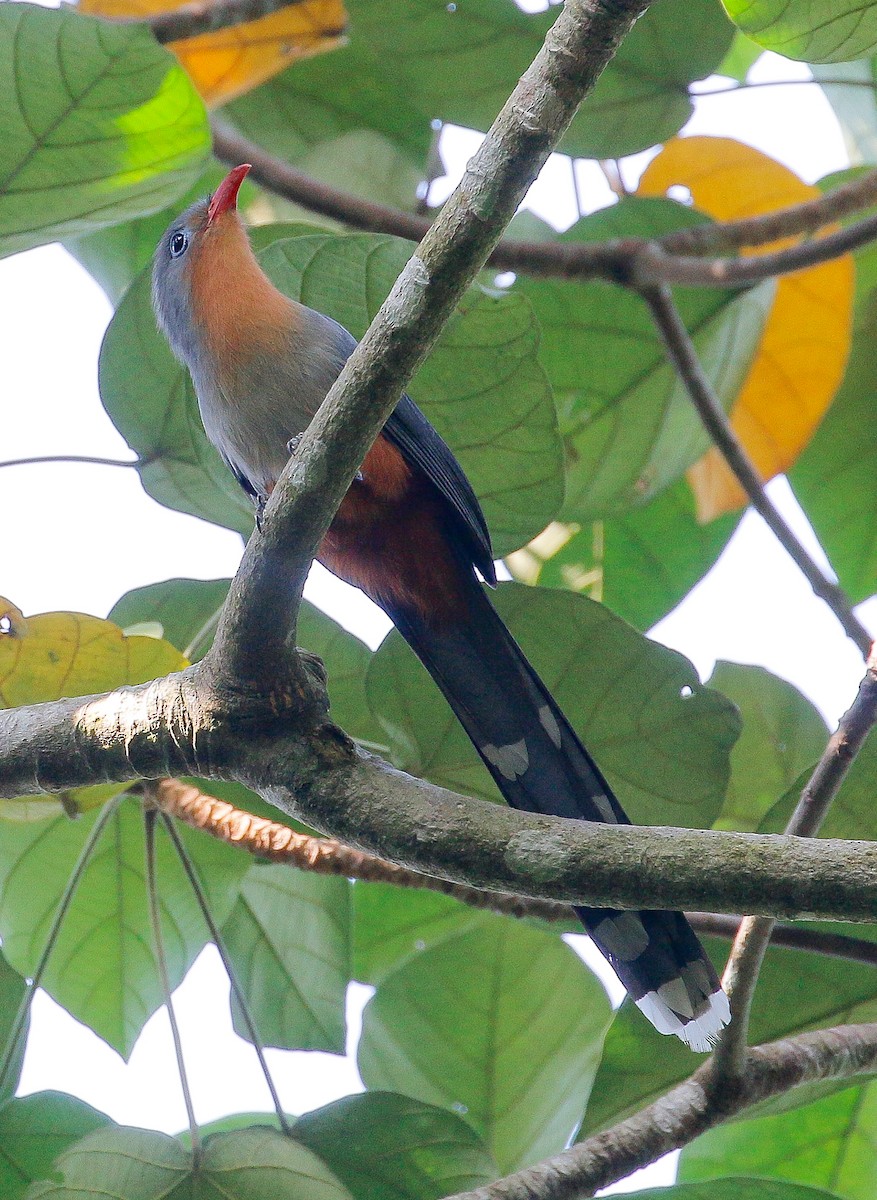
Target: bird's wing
column 409, row 430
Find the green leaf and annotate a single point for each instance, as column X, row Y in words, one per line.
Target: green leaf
column 99, row 123
column 816, row 31
column 482, row 386
column 740, row 59
column 137, row 1164
column 288, row 936
column 502, row 1024
column 833, row 478
column 384, row 1146
column 115, row 256
column 391, row 925
column 155, row 410
column 628, row 425
column 735, row 1189
column 796, row 991
column 854, row 104
column 782, row 734
column 182, row 607
column 663, row 742
column 102, row 969
column 640, row 564
column 640, row 99
column 34, row 1130
column 830, row 1144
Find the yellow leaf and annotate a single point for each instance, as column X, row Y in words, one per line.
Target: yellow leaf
column 806, row 341
column 232, row 61
column 60, row 654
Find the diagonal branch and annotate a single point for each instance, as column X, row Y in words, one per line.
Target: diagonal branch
column 577, row 47
column 754, row 935
column 683, row 356
column 687, row 1111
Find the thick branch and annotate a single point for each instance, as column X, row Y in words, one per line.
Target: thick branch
column 687, row 1111
column 305, row 766
column 327, row 856
column 683, row 355
column 578, row 46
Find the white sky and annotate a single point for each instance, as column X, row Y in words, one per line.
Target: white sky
column 77, row 537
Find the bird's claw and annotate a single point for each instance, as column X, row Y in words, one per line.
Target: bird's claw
column 293, row 444
column 260, row 511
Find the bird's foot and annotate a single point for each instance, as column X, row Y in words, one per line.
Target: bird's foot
column 261, row 501
column 293, row 444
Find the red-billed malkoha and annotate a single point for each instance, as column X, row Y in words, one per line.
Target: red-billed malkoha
column 411, row 534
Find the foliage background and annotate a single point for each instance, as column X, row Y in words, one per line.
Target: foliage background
column 784, row 728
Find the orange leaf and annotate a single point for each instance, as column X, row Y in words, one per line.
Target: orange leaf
column 806, row 341
column 232, row 61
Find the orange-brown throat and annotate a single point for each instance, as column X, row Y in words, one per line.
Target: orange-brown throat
column 241, row 312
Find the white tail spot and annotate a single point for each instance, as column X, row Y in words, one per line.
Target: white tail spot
column 511, row 761
column 623, row 935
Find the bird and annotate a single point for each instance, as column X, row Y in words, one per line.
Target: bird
column 409, row 533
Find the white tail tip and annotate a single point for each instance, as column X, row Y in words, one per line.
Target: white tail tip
column 700, row 1030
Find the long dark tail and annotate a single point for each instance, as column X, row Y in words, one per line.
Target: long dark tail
column 540, row 765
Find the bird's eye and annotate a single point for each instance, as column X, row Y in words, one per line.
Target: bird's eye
column 179, row 243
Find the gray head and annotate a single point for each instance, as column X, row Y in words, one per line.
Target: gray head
column 183, row 278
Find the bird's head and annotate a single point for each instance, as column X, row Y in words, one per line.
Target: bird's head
column 194, row 264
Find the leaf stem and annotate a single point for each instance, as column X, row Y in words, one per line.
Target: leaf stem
column 149, row 815
column 204, row 905
column 64, row 903
column 67, row 458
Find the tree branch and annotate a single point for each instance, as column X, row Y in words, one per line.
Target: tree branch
column 754, row 935
column 260, row 612
column 327, row 856
column 687, row 1111
column 855, row 196
column 683, row 355
column 67, row 458
column 297, row 760
column 631, row 262
column 209, row 16
column 652, row 264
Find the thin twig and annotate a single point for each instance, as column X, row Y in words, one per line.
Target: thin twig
column 209, row 16
column 695, row 92
column 630, row 261
column 67, row 458
column 792, row 937
column 855, row 196
column 652, row 265
column 683, row 355
column 149, row 815
column 219, row 943
column 64, row 903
